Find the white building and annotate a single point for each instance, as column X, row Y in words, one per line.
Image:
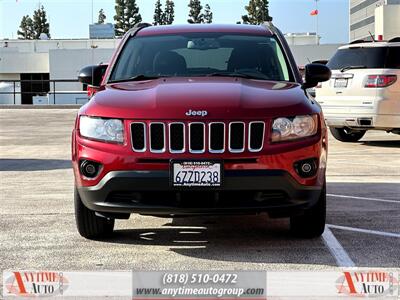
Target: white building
column 48, row 60
column 302, row 38
column 379, row 18
column 62, row 59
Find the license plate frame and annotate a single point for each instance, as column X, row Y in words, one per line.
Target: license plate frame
column 341, row 83
column 196, row 165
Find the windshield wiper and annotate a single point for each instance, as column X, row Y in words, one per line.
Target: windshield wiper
column 238, row 74
column 352, row 67
column 140, row 77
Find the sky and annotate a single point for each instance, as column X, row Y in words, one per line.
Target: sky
column 71, row 18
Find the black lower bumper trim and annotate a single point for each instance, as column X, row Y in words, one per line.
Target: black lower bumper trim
column 149, row 192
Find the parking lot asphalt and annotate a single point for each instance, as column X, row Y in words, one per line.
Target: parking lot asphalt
column 37, row 226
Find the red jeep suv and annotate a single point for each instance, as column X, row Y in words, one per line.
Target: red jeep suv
column 198, row 120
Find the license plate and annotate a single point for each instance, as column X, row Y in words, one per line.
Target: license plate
column 196, row 173
column 341, row 83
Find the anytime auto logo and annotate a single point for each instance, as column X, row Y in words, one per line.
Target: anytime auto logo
column 35, row 284
column 368, row 284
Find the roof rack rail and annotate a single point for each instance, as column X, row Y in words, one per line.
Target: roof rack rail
column 137, row 27
column 269, row 25
column 394, row 40
column 359, row 42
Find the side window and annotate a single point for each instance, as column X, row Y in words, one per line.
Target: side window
column 393, row 58
column 282, row 65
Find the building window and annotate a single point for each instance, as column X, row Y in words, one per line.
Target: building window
column 34, row 84
column 362, row 23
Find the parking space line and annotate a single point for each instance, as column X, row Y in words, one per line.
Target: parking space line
column 345, row 152
column 363, row 198
column 389, row 164
column 383, row 233
column 336, row 249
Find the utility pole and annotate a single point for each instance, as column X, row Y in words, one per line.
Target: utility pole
column 317, row 25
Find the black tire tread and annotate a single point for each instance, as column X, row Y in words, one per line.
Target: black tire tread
column 352, row 137
column 88, row 224
column 312, row 223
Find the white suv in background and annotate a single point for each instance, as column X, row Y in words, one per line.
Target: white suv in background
column 364, row 90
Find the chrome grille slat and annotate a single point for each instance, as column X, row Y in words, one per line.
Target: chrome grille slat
column 237, row 137
column 138, row 136
column 216, row 138
column 198, row 137
column 177, row 137
column 256, row 136
column 157, row 137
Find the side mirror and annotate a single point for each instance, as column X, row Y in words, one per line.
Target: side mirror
column 314, row 74
column 322, row 61
column 92, row 75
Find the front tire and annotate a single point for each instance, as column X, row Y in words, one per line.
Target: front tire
column 88, row 224
column 312, row 223
column 347, row 135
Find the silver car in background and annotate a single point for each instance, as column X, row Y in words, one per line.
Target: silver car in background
column 364, row 91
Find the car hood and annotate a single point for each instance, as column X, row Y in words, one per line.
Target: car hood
column 222, row 98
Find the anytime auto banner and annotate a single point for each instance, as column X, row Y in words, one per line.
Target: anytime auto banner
column 200, row 285
column 380, row 284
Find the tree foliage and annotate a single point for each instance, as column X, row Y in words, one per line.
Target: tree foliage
column 40, row 24
column 164, row 17
column 169, row 14
column 158, row 14
column 126, row 16
column 257, row 12
column 208, row 15
column 26, row 28
column 102, row 17
column 195, row 15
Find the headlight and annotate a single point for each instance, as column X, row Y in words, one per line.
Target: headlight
column 284, row 129
column 109, row 130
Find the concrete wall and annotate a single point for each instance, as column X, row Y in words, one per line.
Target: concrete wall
column 12, row 61
column 387, row 21
column 9, row 76
column 65, row 64
column 45, row 46
column 302, row 39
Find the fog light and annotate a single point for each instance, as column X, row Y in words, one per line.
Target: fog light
column 89, row 169
column 306, row 168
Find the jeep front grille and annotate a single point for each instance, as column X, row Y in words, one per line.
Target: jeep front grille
column 177, row 137
column 139, row 138
column 197, row 137
column 157, row 137
column 216, row 139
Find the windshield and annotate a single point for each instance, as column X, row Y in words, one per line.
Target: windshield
column 369, row 58
column 202, row 54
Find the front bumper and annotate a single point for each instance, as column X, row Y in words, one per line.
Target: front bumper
column 243, row 191
column 363, row 121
